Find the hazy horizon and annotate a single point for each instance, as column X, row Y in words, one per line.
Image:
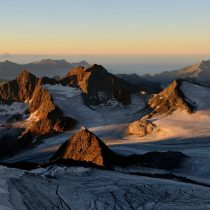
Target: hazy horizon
column 139, row 64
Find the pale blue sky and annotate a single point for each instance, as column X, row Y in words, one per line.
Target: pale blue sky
column 105, row 27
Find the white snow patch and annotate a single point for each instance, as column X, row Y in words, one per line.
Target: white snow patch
column 197, row 94
column 63, row 92
column 12, row 109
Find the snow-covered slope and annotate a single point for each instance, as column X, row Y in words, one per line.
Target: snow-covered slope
column 197, row 95
column 83, row 188
column 8, row 111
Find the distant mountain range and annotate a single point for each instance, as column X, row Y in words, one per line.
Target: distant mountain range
column 46, row 67
column 199, row 72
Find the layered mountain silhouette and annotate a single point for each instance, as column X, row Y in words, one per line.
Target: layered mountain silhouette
column 46, row 67
column 198, row 72
column 140, row 83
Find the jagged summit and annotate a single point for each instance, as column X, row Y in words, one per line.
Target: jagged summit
column 86, row 147
column 20, row 89
column 97, row 85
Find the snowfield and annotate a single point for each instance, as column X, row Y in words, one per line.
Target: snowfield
column 82, row 188
column 7, row 111
column 85, row 188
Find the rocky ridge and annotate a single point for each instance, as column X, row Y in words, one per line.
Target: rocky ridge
column 44, row 117
column 167, row 101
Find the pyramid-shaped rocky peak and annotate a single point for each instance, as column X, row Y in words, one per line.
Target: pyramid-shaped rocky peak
column 84, row 146
column 170, row 99
column 26, row 83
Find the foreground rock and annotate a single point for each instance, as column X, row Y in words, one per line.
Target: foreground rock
column 85, row 146
column 86, row 149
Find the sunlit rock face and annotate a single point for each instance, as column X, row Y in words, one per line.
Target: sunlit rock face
column 27, row 106
column 170, row 99
column 20, row 89
column 86, row 147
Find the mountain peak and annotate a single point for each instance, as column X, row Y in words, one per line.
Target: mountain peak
column 170, row 99
column 25, row 73
column 49, row 61
column 97, row 85
column 86, row 147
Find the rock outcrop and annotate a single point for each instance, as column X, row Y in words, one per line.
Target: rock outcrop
column 97, row 85
column 141, row 127
column 84, row 146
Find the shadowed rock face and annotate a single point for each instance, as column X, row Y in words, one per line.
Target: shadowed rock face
column 85, row 146
column 12, row 140
column 170, row 99
column 97, row 85
column 140, row 84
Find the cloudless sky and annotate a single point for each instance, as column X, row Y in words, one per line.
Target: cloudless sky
column 105, row 27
